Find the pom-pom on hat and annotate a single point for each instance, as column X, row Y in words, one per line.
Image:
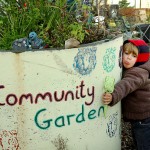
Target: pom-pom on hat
column 143, row 51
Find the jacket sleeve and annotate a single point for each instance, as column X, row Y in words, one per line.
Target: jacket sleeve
column 132, row 81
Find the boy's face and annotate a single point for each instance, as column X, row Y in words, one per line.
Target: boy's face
column 128, row 59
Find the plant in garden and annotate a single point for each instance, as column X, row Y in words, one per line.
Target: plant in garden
column 77, row 31
column 16, row 22
column 48, row 19
column 54, row 21
column 123, row 4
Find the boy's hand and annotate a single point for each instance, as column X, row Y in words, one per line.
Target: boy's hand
column 107, row 98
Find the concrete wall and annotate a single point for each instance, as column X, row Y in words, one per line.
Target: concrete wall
column 51, row 100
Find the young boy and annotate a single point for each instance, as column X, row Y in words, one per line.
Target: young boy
column 134, row 91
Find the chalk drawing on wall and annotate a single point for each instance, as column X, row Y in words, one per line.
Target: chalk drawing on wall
column 8, row 140
column 112, row 125
column 60, row 143
column 109, row 59
column 85, row 60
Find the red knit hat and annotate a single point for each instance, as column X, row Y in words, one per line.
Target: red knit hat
column 143, row 51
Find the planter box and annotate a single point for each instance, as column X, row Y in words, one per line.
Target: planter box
column 51, row 100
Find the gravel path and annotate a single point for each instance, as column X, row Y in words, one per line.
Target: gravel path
column 127, row 140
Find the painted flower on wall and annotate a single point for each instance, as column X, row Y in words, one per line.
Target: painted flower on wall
column 85, row 60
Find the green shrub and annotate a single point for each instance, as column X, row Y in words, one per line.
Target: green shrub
column 50, row 20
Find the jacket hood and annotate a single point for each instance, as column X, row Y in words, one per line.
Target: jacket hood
column 146, row 66
column 143, row 51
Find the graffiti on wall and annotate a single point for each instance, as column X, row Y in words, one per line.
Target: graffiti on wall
column 109, row 59
column 67, row 120
column 85, row 60
column 112, row 125
column 82, row 91
column 84, row 63
column 8, row 140
column 60, row 143
column 52, row 96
